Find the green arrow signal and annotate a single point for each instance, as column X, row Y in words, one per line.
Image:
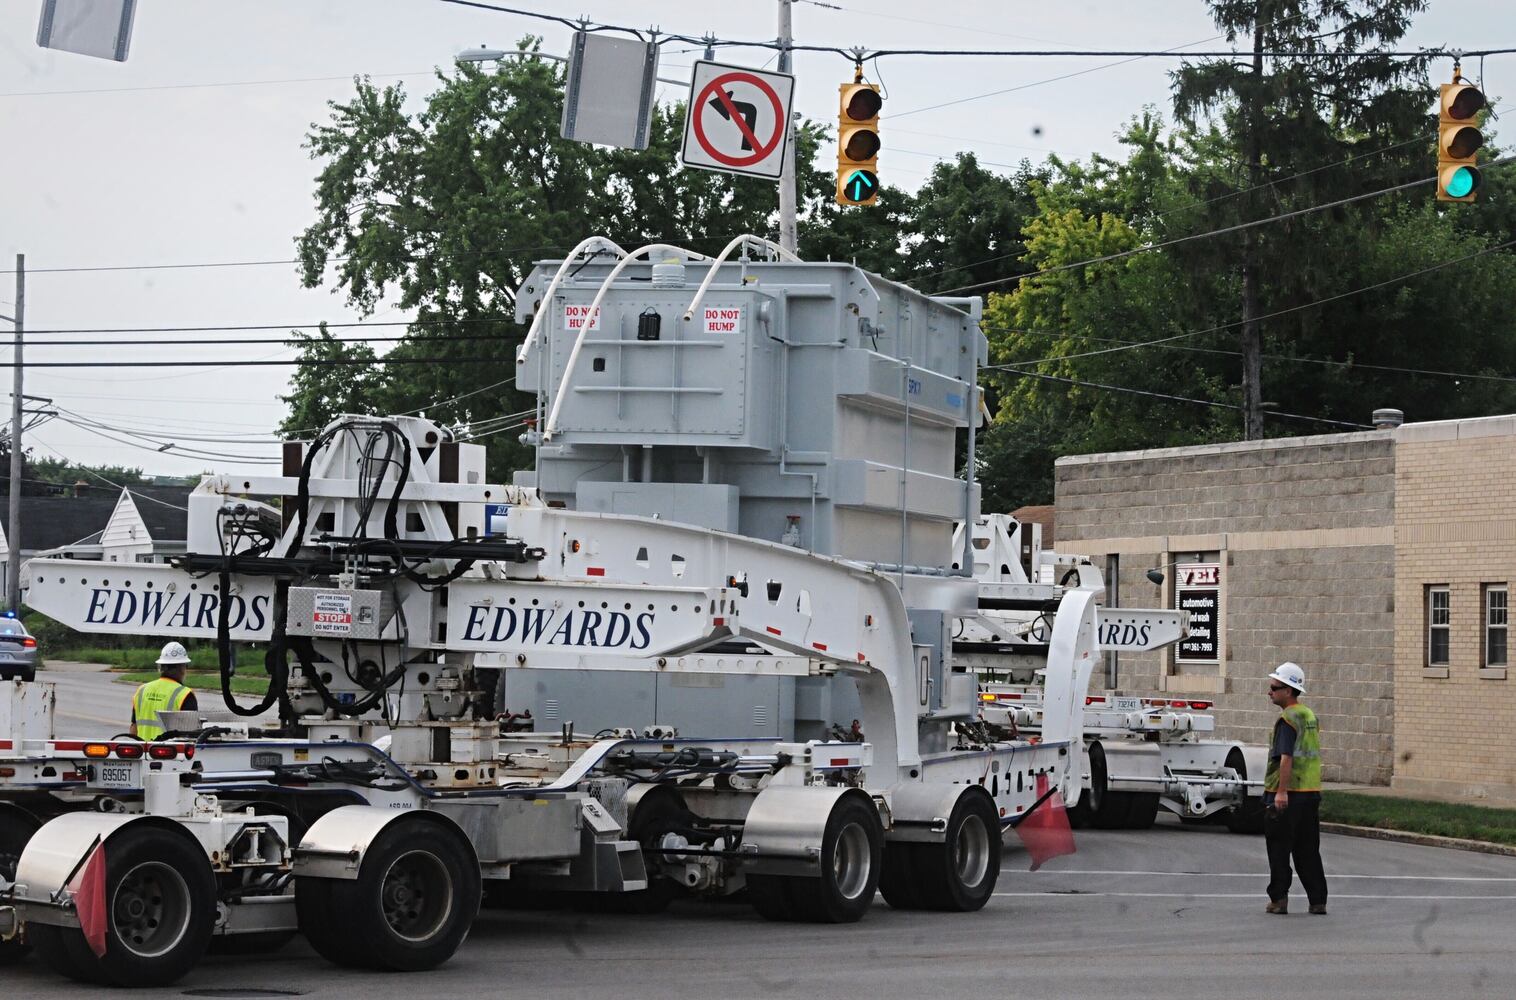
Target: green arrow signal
column 860, row 184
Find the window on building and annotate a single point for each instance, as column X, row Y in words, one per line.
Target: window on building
column 1439, row 623
column 144, row 557
column 1497, row 618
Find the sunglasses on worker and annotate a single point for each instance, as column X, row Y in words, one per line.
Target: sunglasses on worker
column 1279, row 687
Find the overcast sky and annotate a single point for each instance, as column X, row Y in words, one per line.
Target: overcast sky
column 190, row 152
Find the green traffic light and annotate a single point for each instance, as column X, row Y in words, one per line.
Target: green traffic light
column 1461, row 183
column 860, row 185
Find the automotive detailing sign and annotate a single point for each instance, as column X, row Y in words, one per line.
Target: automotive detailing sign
column 333, row 614
column 1197, row 589
column 735, row 120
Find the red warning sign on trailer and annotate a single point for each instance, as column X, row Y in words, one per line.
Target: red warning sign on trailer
column 736, row 120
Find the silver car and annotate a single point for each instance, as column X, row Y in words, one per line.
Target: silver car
column 18, row 651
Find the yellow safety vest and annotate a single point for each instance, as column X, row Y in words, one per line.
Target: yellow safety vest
column 153, row 697
column 1305, row 770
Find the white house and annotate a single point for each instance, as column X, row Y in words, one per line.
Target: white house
column 148, row 525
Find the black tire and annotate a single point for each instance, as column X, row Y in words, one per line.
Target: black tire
column 897, row 877
column 852, row 854
column 329, row 936
column 160, row 910
column 1246, row 818
column 16, row 828
column 412, row 904
column 1142, row 810
column 1108, row 809
column 661, row 811
column 959, row 874
column 770, row 896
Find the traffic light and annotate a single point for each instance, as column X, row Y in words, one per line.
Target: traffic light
column 1458, row 139
column 858, row 143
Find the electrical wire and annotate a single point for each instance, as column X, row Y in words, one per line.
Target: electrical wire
column 1216, row 404
column 1238, row 227
column 1287, row 358
column 1493, row 248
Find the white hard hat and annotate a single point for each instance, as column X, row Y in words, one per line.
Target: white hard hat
column 173, row 654
column 1291, row 674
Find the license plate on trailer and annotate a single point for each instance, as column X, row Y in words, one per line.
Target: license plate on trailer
column 117, row 776
column 1128, row 704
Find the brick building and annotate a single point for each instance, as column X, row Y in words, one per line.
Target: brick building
column 1455, row 560
column 1380, row 561
column 1281, row 549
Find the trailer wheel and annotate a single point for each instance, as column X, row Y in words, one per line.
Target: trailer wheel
column 660, row 812
column 1141, row 811
column 897, row 877
column 1108, row 809
column 960, row 873
column 315, row 913
column 16, row 828
column 852, row 851
column 411, row 905
column 770, row 896
column 160, row 908
column 1246, row 817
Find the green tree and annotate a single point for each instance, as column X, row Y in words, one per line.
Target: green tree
column 1284, row 120
column 334, row 377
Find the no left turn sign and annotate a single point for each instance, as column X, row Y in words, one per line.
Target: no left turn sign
column 736, row 119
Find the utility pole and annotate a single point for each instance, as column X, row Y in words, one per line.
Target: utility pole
column 13, row 525
column 787, row 234
column 1252, row 336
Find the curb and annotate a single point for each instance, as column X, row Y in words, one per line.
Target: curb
column 1420, row 839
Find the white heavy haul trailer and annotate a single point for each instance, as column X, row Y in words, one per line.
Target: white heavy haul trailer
column 393, row 588
column 1139, row 753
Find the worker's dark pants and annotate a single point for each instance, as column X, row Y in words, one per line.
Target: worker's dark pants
column 1295, row 831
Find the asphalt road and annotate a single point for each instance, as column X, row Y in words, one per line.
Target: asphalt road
column 1173, row 912
column 90, row 702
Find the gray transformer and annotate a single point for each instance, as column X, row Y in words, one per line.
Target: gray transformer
column 808, row 403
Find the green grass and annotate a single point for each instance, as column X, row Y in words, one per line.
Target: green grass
column 1441, row 819
column 207, row 682
column 201, row 658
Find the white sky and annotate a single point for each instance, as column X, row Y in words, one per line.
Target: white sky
column 162, row 162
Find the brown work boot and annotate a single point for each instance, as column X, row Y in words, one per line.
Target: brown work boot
column 1280, row 906
column 1319, row 909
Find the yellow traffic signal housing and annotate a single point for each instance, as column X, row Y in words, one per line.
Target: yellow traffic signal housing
column 1458, row 140
column 858, row 143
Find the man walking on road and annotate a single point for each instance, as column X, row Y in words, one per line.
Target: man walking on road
column 166, row 694
column 1292, row 795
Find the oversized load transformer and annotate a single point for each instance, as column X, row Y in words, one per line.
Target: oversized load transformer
column 811, row 403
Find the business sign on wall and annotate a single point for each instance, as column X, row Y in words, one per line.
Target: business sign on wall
column 1197, row 589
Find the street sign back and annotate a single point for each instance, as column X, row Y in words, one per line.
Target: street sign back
column 736, row 120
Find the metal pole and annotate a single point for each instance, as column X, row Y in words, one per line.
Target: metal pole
column 13, row 525
column 787, row 174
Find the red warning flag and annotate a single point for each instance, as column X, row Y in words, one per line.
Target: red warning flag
column 1045, row 831
column 88, row 888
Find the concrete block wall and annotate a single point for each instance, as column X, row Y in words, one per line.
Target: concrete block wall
column 1304, row 530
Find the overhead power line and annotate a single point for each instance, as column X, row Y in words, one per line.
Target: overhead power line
column 1493, row 248
column 864, row 54
column 1239, row 227
column 1215, row 404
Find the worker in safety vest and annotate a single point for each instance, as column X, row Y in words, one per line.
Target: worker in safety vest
column 166, row 694
column 1292, row 795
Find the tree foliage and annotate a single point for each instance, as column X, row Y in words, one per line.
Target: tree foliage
column 1114, row 319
